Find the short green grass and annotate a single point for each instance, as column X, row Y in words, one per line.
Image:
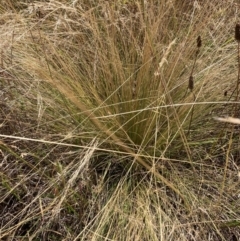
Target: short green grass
column 102, row 135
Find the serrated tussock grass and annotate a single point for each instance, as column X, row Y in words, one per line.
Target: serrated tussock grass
column 114, row 136
column 122, row 74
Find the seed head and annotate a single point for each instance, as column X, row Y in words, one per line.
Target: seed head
column 237, row 32
column 199, row 42
column 190, row 83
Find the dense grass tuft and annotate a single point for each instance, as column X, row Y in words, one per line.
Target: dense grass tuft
column 107, row 120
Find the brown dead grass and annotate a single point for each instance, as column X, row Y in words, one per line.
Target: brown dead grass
column 90, row 89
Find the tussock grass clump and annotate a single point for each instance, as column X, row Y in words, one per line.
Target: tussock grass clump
column 114, row 136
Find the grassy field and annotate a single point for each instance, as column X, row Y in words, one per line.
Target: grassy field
column 108, row 127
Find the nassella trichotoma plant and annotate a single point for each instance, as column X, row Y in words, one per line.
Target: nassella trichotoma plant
column 121, row 77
